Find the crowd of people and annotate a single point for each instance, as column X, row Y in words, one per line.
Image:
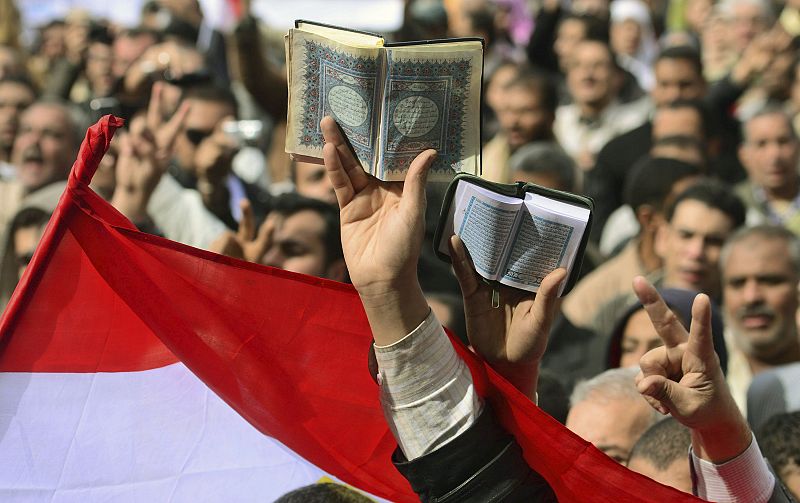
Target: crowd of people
column 680, row 119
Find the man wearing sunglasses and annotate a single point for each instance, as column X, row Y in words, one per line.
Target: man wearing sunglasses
column 204, row 154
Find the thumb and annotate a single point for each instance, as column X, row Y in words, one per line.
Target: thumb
column 417, row 176
column 664, row 395
column 462, row 266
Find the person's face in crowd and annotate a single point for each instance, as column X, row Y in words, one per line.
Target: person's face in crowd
column 522, row 117
column 677, row 475
column 676, row 79
column 625, row 37
column 98, row 68
column 570, row 32
column 790, row 476
column 53, row 42
column 10, row 62
column 747, row 20
column 760, row 296
column 697, row 13
column 45, row 146
column 590, row 74
column 496, row 86
column 683, row 121
column 311, row 180
column 203, row 120
column 25, row 241
column 126, row 50
column 611, row 425
column 298, row 245
column 770, row 152
column 14, row 98
column 690, row 245
column 638, row 337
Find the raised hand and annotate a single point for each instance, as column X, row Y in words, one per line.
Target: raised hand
column 144, row 156
column 246, row 243
column 382, row 229
column 512, row 336
column 684, row 378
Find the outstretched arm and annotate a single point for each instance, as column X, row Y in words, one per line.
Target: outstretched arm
column 684, row 378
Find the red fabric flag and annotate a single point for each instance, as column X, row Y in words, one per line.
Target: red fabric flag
column 288, row 352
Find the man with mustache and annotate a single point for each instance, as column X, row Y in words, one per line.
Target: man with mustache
column 760, row 271
column 44, row 148
column 770, row 153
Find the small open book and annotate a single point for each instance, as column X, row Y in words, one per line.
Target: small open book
column 392, row 101
column 515, row 234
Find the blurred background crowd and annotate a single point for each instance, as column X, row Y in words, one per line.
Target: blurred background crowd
column 680, row 118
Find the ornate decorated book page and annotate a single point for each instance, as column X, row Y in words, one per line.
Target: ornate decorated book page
column 328, row 78
column 431, row 100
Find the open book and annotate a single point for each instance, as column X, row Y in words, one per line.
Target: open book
column 516, row 234
column 392, row 101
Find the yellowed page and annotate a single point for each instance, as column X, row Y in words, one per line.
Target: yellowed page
column 330, row 78
column 432, row 100
column 345, row 37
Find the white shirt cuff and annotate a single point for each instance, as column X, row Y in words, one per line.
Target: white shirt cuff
column 427, row 392
column 745, row 478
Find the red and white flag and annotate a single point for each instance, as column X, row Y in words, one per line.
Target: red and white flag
column 132, row 365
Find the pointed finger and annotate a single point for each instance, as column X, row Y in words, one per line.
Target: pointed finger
column 247, row 226
column 546, row 301
column 416, row 178
column 347, row 160
column 342, row 185
column 462, row 266
column 701, row 341
column 169, row 132
column 154, row 116
column 665, row 322
column 263, row 240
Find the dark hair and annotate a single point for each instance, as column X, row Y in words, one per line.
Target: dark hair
column 651, row 180
column 291, row 203
column 685, row 53
column 211, row 92
column 663, row 443
column 539, row 83
column 28, row 217
column 325, row 492
column 595, row 28
column 698, row 106
column 22, row 81
column 545, row 157
column 779, row 439
column 714, row 194
column 100, row 34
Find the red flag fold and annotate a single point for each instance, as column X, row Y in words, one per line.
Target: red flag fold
column 287, row 351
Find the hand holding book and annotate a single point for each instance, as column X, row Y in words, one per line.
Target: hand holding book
column 515, row 234
column 391, row 101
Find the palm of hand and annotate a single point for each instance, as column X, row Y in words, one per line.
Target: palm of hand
column 379, row 234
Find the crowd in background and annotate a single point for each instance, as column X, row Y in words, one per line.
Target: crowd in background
column 679, row 118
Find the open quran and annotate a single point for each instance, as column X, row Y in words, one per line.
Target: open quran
column 391, row 101
column 515, row 234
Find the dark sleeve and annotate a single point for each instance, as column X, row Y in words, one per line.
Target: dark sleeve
column 779, row 493
column 765, row 398
column 722, row 95
column 482, row 464
column 540, row 46
column 61, row 78
column 265, row 84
